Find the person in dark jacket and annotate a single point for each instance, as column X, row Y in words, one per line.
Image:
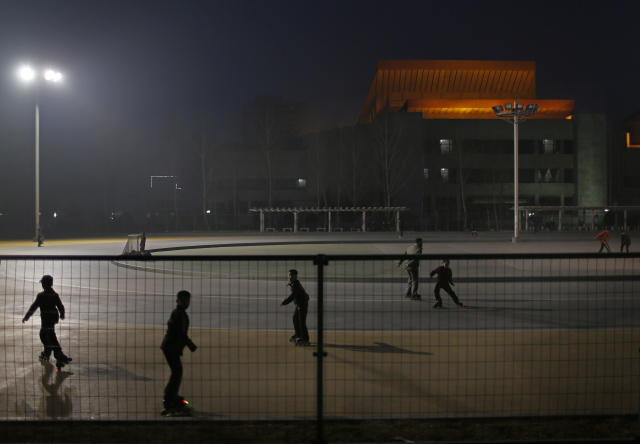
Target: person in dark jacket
column 51, row 310
column 625, row 240
column 444, row 278
column 173, row 343
column 301, row 300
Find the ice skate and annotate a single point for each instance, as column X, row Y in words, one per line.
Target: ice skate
column 181, row 407
column 43, row 358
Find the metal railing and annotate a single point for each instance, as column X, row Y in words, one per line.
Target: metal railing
column 544, row 335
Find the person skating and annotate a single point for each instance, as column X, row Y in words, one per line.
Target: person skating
column 413, row 268
column 625, row 240
column 51, row 311
column 604, row 237
column 172, row 346
column 444, row 280
column 300, row 299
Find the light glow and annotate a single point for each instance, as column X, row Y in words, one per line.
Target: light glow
column 26, row 74
column 54, row 76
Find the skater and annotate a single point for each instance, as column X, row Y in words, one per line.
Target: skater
column 413, row 267
column 625, row 240
column 444, row 277
column 39, row 238
column 51, row 310
column 173, row 343
column 301, row 300
column 604, row 236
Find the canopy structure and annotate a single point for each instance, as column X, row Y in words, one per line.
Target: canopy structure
column 329, row 210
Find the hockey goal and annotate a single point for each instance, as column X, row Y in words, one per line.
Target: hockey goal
column 135, row 244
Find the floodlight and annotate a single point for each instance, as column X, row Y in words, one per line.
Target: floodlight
column 508, row 106
column 519, row 106
column 498, row 109
column 51, row 75
column 26, row 73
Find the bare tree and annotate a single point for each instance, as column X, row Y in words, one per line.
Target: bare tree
column 355, row 155
column 267, row 137
column 391, row 156
column 461, row 180
column 206, row 148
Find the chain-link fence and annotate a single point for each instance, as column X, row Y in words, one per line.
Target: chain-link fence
column 535, row 335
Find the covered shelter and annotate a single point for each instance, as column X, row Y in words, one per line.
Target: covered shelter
column 329, row 210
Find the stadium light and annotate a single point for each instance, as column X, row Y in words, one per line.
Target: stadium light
column 53, row 76
column 514, row 113
column 27, row 74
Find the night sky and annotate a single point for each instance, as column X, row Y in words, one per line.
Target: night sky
column 139, row 74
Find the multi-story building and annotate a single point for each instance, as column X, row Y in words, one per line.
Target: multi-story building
column 466, row 154
column 427, row 139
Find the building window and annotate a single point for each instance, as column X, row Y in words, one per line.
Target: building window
column 548, row 146
column 446, row 146
column 425, row 171
column 444, row 173
column 302, row 183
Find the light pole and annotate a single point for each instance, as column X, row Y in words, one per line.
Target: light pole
column 26, row 74
column 513, row 113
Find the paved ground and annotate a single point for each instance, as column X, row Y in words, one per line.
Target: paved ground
column 539, row 336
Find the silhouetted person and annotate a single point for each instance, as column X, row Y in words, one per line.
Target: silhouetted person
column 40, row 238
column 173, row 343
column 444, row 278
column 51, row 310
column 625, row 240
column 604, row 237
column 413, row 267
column 143, row 242
column 300, row 299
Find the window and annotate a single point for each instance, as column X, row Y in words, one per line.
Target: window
column 302, row 183
column 446, row 146
column 425, row 171
column 548, row 146
column 444, row 173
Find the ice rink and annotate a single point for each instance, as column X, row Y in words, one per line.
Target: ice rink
column 540, row 335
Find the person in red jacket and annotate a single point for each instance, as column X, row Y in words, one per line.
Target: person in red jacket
column 51, row 310
column 604, row 237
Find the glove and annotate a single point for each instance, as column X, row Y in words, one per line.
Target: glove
column 193, row 347
column 61, row 316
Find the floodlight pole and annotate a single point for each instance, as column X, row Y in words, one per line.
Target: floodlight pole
column 516, row 216
column 514, row 113
column 37, row 174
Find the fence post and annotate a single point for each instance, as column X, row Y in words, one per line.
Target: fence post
column 320, row 261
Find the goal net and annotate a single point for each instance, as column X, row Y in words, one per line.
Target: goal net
column 133, row 245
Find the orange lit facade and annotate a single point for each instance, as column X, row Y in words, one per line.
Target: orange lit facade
column 461, row 154
column 626, row 180
column 456, row 89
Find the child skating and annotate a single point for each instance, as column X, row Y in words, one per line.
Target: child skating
column 51, row 310
column 444, row 278
column 173, row 343
column 301, row 300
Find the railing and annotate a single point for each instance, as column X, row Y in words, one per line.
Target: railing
column 540, row 335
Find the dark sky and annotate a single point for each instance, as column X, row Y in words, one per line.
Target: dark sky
column 136, row 69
